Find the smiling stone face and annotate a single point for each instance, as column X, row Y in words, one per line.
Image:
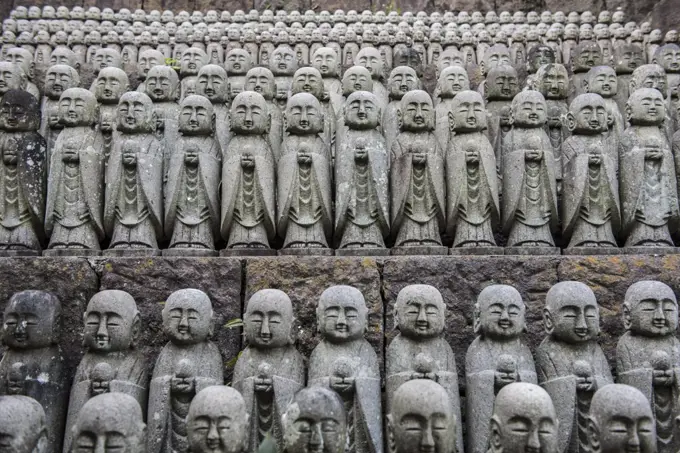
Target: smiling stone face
column 417, row 112
column 499, row 313
column 467, row 112
column 249, row 114
column 362, row 111
column 218, row 421
column 420, row 311
column 162, row 84
column 111, row 322
column 571, row 313
column 268, row 319
column 196, row 116
column 342, row 314
column 187, row 317
column 31, row 320
column 212, row 83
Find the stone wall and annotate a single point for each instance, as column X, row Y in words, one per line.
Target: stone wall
column 230, row 281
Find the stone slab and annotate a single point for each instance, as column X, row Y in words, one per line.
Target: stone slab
column 532, row 251
column 593, row 251
column 419, row 251
column 478, row 251
column 306, row 251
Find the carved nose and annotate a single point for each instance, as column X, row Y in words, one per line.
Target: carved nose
column 316, row 439
column 428, row 440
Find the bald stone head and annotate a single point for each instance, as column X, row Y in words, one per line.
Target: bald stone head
column 341, row 314
column 308, row 80
column 499, row 313
column 586, row 55
column 110, row 85
column 77, row 107
column 23, row 58
column 650, row 309
column 238, row 62
column 421, row 419
column 668, row 57
column 188, row 317
column 12, row 77
column 370, row 58
column 111, row 419
column 416, row 112
column 587, row 115
column 112, row 322
column 147, row 60
column 523, row 420
column 529, row 109
column 362, row 111
column 496, row 55
column 601, row 80
column 467, row 112
column 502, row 83
column 402, row 79
column 31, row 320
column 649, row 76
column 571, row 314
column 197, row 116
column 62, row 55
column 191, row 61
column 326, row 60
column 621, row 419
column 552, row 81
column 23, row 428
column 268, row 320
column 420, row 311
column 136, row 113
column 356, row 78
column 218, row 421
column 59, row 78
column 538, row 56
column 646, row 107
column 162, row 84
column 261, row 80
column 283, row 61
column 213, row 84
column 107, row 58
column 304, row 115
column 249, row 114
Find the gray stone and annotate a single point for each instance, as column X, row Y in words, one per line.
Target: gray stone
column 602, row 80
column 309, row 80
column 212, row 83
column 283, row 65
column 402, row 79
column 585, row 56
column 58, row 79
column 369, row 57
column 261, row 80
column 218, row 406
column 24, row 424
column 501, row 87
column 327, row 61
column 163, row 88
column 193, row 59
column 238, row 63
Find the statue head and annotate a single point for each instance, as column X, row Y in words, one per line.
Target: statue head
column 621, row 419
column 135, row 113
column 649, row 76
column 111, row 419
column 627, row 57
column 416, row 113
column 552, row 81
column 356, row 78
column 191, row 61
column 402, row 79
column 341, row 314
column 420, row 312
column 601, row 80
column 303, row 115
column 77, row 107
column 238, row 62
column 268, row 320
column 110, row 85
column 668, row 57
column 645, row 107
column 502, row 83
column 529, row 109
column 452, row 80
column 467, row 112
column 218, row 421
column 370, row 58
column 523, row 420
column 538, row 56
column 650, row 309
column 283, row 61
column 421, row 419
column 22, row 58
column 147, row 60
column 325, row 59
column 112, row 322
column 188, row 317
column 31, row 320
column 587, row 115
column 408, row 56
column 100, row 379
column 308, row 80
column 19, row 112
column 499, row 313
column 62, row 55
column 261, row 80
column 107, row 58
column 162, row 84
column 496, row 55
column 571, row 314
column 24, row 426
column 12, row 77
column 586, row 55
column 362, row 111
column 196, row 116
column 250, row 114
column 212, row 83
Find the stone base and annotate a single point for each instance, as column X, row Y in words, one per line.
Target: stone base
column 13, row 253
column 132, row 253
column 248, row 252
column 651, row 250
column 524, row 251
column 593, row 251
column 420, row 250
column 189, row 252
column 71, row 252
column 362, row 251
column 306, row 251
column 461, row 251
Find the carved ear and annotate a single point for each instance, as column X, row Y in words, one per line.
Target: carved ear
column 284, row 120
column 213, row 124
column 594, row 436
column 482, row 67
column 495, row 435
column 231, row 127
column 31, row 71
column 476, row 318
column 268, row 123
column 391, row 444
column 677, row 423
column 548, row 322
column 400, row 118
column 511, row 118
column 631, row 86
column 586, row 86
column 570, row 121
column 43, row 443
column 135, row 329
column 452, row 122
column 211, row 328
column 154, row 121
column 627, row 319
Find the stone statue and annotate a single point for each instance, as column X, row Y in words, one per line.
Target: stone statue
column 24, row 428
column 238, row 63
column 31, row 326
column 649, row 197
column 12, row 77
column 648, row 354
column 148, row 59
column 75, row 185
column 402, row 79
column 369, row 58
column 421, row 419
column 111, row 83
column 309, row 80
column 653, row 76
column 326, row 61
column 105, row 58
column 497, row 357
column 496, row 55
column 24, row 59
column 133, row 209
column 417, row 180
column 163, row 88
column 112, row 327
column 571, row 365
column 111, row 420
column 590, row 206
column 23, row 177
column 218, row 421
column 420, row 351
column 668, row 57
column 188, row 363
column 524, row 419
column 283, row 65
column 585, row 56
column 472, row 185
column 602, row 80
column 345, row 362
column 192, row 209
column 529, row 185
column 304, row 212
column 452, row 80
column 502, row 85
column 269, row 371
column 315, row 410
column 261, row 80
column 193, row 59
column 248, row 203
column 58, row 79
column 621, row 419
column 361, row 178
column 212, row 83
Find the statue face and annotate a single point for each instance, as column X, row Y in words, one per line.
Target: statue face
column 62, row 55
column 219, row 425
column 468, row 112
column 362, row 111
column 576, row 321
column 22, row 58
column 654, row 317
column 502, row 318
column 283, row 61
column 304, row 115
column 308, row 80
column 604, row 82
column 110, row 86
column 134, row 113
column 417, row 112
column 589, row 56
column 196, row 117
column 647, row 107
column 238, row 62
column 495, row 56
column 452, row 81
column 18, row 114
column 529, row 110
column 342, row 320
column 212, row 83
column 370, row 59
column 591, row 117
column 77, row 107
column 109, row 325
column 186, row 319
column 268, row 320
column 502, row 83
column 192, row 60
column 148, row 60
column 554, row 83
column 669, row 58
column 539, row 56
column 420, row 313
column 109, row 430
column 23, row 429
column 402, row 80
column 30, row 322
column 58, row 80
column 628, row 58
column 326, row 62
column 261, row 81
column 315, row 425
column 161, row 86
column 249, row 114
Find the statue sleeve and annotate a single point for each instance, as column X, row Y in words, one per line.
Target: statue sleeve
column 34, row 180
column 574, row 186
column 159, row 399
column 513, row 185
column 563, row 389
column 479, row 408
column 231, row 181
column 150, row 166
column 92, row 180
column 211, row 170
column 631, row 164
column 640, row 378
column 287, row 175
column 113, row 181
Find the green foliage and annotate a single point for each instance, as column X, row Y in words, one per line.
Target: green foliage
column 173, row 63
column 389, row 7
column 234, row 323
column 231, row 363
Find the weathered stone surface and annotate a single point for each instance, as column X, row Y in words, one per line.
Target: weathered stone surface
column 305, row 278
column 151, row 280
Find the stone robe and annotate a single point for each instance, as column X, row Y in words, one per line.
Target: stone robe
column 49, row 124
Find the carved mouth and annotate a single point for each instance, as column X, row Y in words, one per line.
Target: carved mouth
column 533, row 117
column 582, row 333
column 257, row 89
column 504, row 324
column 20, row 337
column 659, row 324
